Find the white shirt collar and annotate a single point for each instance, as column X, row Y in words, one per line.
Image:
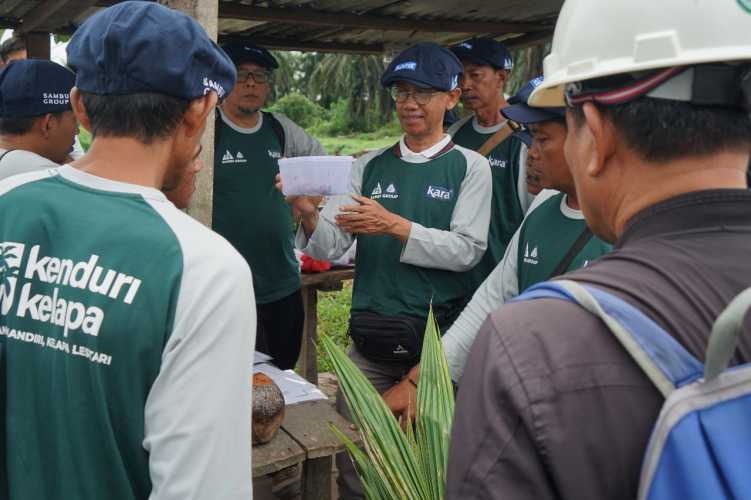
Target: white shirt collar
column 237, row 128
column 486, row 130
column 100, row 183
column 426, row 155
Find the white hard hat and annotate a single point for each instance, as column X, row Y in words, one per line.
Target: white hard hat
column 598, row 38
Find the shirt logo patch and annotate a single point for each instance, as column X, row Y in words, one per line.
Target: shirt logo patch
column 228, row 158
column 24, row 293
column 530, row 257
column 273, row 154
column 406, row 66
column 495, row 162
column 390, row 192
column 439, row 193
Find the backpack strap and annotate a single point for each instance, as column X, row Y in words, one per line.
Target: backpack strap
column 725, row 332
column 278, row 129
column 667, row 364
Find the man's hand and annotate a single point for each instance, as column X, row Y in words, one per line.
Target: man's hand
column 402, row 398
column 369, row 217
column 305, row 207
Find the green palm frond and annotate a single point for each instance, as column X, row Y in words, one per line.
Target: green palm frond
column 394, row 464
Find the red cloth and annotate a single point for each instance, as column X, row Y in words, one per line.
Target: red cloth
column 311, row 265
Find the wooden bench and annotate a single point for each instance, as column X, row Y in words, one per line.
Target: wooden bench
column 305, row 440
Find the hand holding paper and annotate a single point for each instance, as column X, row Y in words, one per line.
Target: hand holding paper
column 316, row 175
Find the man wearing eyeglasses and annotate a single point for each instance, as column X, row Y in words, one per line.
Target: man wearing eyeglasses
column 420, row 211
column 487, row 65
column 248, row 210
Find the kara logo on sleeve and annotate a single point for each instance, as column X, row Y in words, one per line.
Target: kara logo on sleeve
column 530, row 257
column 495, row 162
column 439, row 193
column 273, row 154
column 21, row 276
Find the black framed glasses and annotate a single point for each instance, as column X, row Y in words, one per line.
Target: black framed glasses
column 257, row 76
column 421, row 97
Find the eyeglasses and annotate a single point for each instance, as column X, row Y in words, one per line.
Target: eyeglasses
column 258, row 76
column 421, row 97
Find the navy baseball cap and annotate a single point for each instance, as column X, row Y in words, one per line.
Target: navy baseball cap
column 426, row 65
column 520, row 112
column 484, row 51
column 136, row 46
column 34, row 87
column 524, row 136
column 249, row 53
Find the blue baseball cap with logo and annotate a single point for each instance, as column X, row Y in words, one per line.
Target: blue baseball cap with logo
column 484, row 51
column 137, row 47
column 34, row 87
column 426, row 65
column 246, row 52
column 520, row 112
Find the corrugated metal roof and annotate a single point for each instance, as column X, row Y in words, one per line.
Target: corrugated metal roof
column 330, row 25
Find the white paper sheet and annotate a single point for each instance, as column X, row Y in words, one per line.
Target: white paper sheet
column 295, row 389
column 316, row 175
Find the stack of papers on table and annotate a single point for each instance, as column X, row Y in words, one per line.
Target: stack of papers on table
column 316, row 175
column 295, row 389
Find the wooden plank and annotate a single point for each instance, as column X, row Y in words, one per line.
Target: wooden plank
column 308, row 424
column 280, row 453
column 316, row 479
column 327, row 278
column 308, row 352
column 312, row 17
column 39, row 14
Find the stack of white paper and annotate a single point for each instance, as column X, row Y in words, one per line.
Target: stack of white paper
column 316, row 175
column 295, row 389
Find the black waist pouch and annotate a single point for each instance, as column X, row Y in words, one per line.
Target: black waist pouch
column 387, row 338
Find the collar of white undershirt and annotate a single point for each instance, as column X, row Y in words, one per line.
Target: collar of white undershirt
column 569, row 212
column 237, row 128
column 425, row 155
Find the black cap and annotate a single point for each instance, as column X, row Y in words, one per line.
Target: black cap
column 427, row 65
column 245, row 52
column 520, row 112
column 135, row 47
column 484, row 51
column 34, row 87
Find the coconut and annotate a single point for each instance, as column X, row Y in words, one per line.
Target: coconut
column 268, row 408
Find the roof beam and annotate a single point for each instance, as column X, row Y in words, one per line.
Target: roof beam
column 312, row 17
column 317, row 46
column 39, row 14
column 527, row 40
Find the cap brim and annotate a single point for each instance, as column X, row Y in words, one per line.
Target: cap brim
column 547, row 97
column 521, row 113
column 394, row 79
column 523, row 136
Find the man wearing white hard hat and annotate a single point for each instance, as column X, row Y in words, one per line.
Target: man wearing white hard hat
column 657, row 94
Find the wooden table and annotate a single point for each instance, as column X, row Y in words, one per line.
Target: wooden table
column 312, row 283
column 305, row 440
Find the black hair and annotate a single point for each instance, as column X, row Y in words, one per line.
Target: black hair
column 11, row 45
column 661, row 130
column 145, row 116
column 20, row 126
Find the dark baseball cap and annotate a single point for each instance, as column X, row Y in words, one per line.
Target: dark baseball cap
column 484, row 51
column 426, row 65
column 135, row 47
column 241, row 53
column 520, row 112
column 524, row 136
column 34, row 87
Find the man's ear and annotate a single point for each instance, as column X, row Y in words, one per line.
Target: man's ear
column 76, row 103
column 44, row 125
column 602, row 138
column 503, row 76
column 197, row 113
column 453, row 99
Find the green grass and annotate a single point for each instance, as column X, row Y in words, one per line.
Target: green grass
column 347, row 145
column 333, row 318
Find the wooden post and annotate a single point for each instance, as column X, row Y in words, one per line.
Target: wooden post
column 308, row 356
column 206, row 12
column 37, row 45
